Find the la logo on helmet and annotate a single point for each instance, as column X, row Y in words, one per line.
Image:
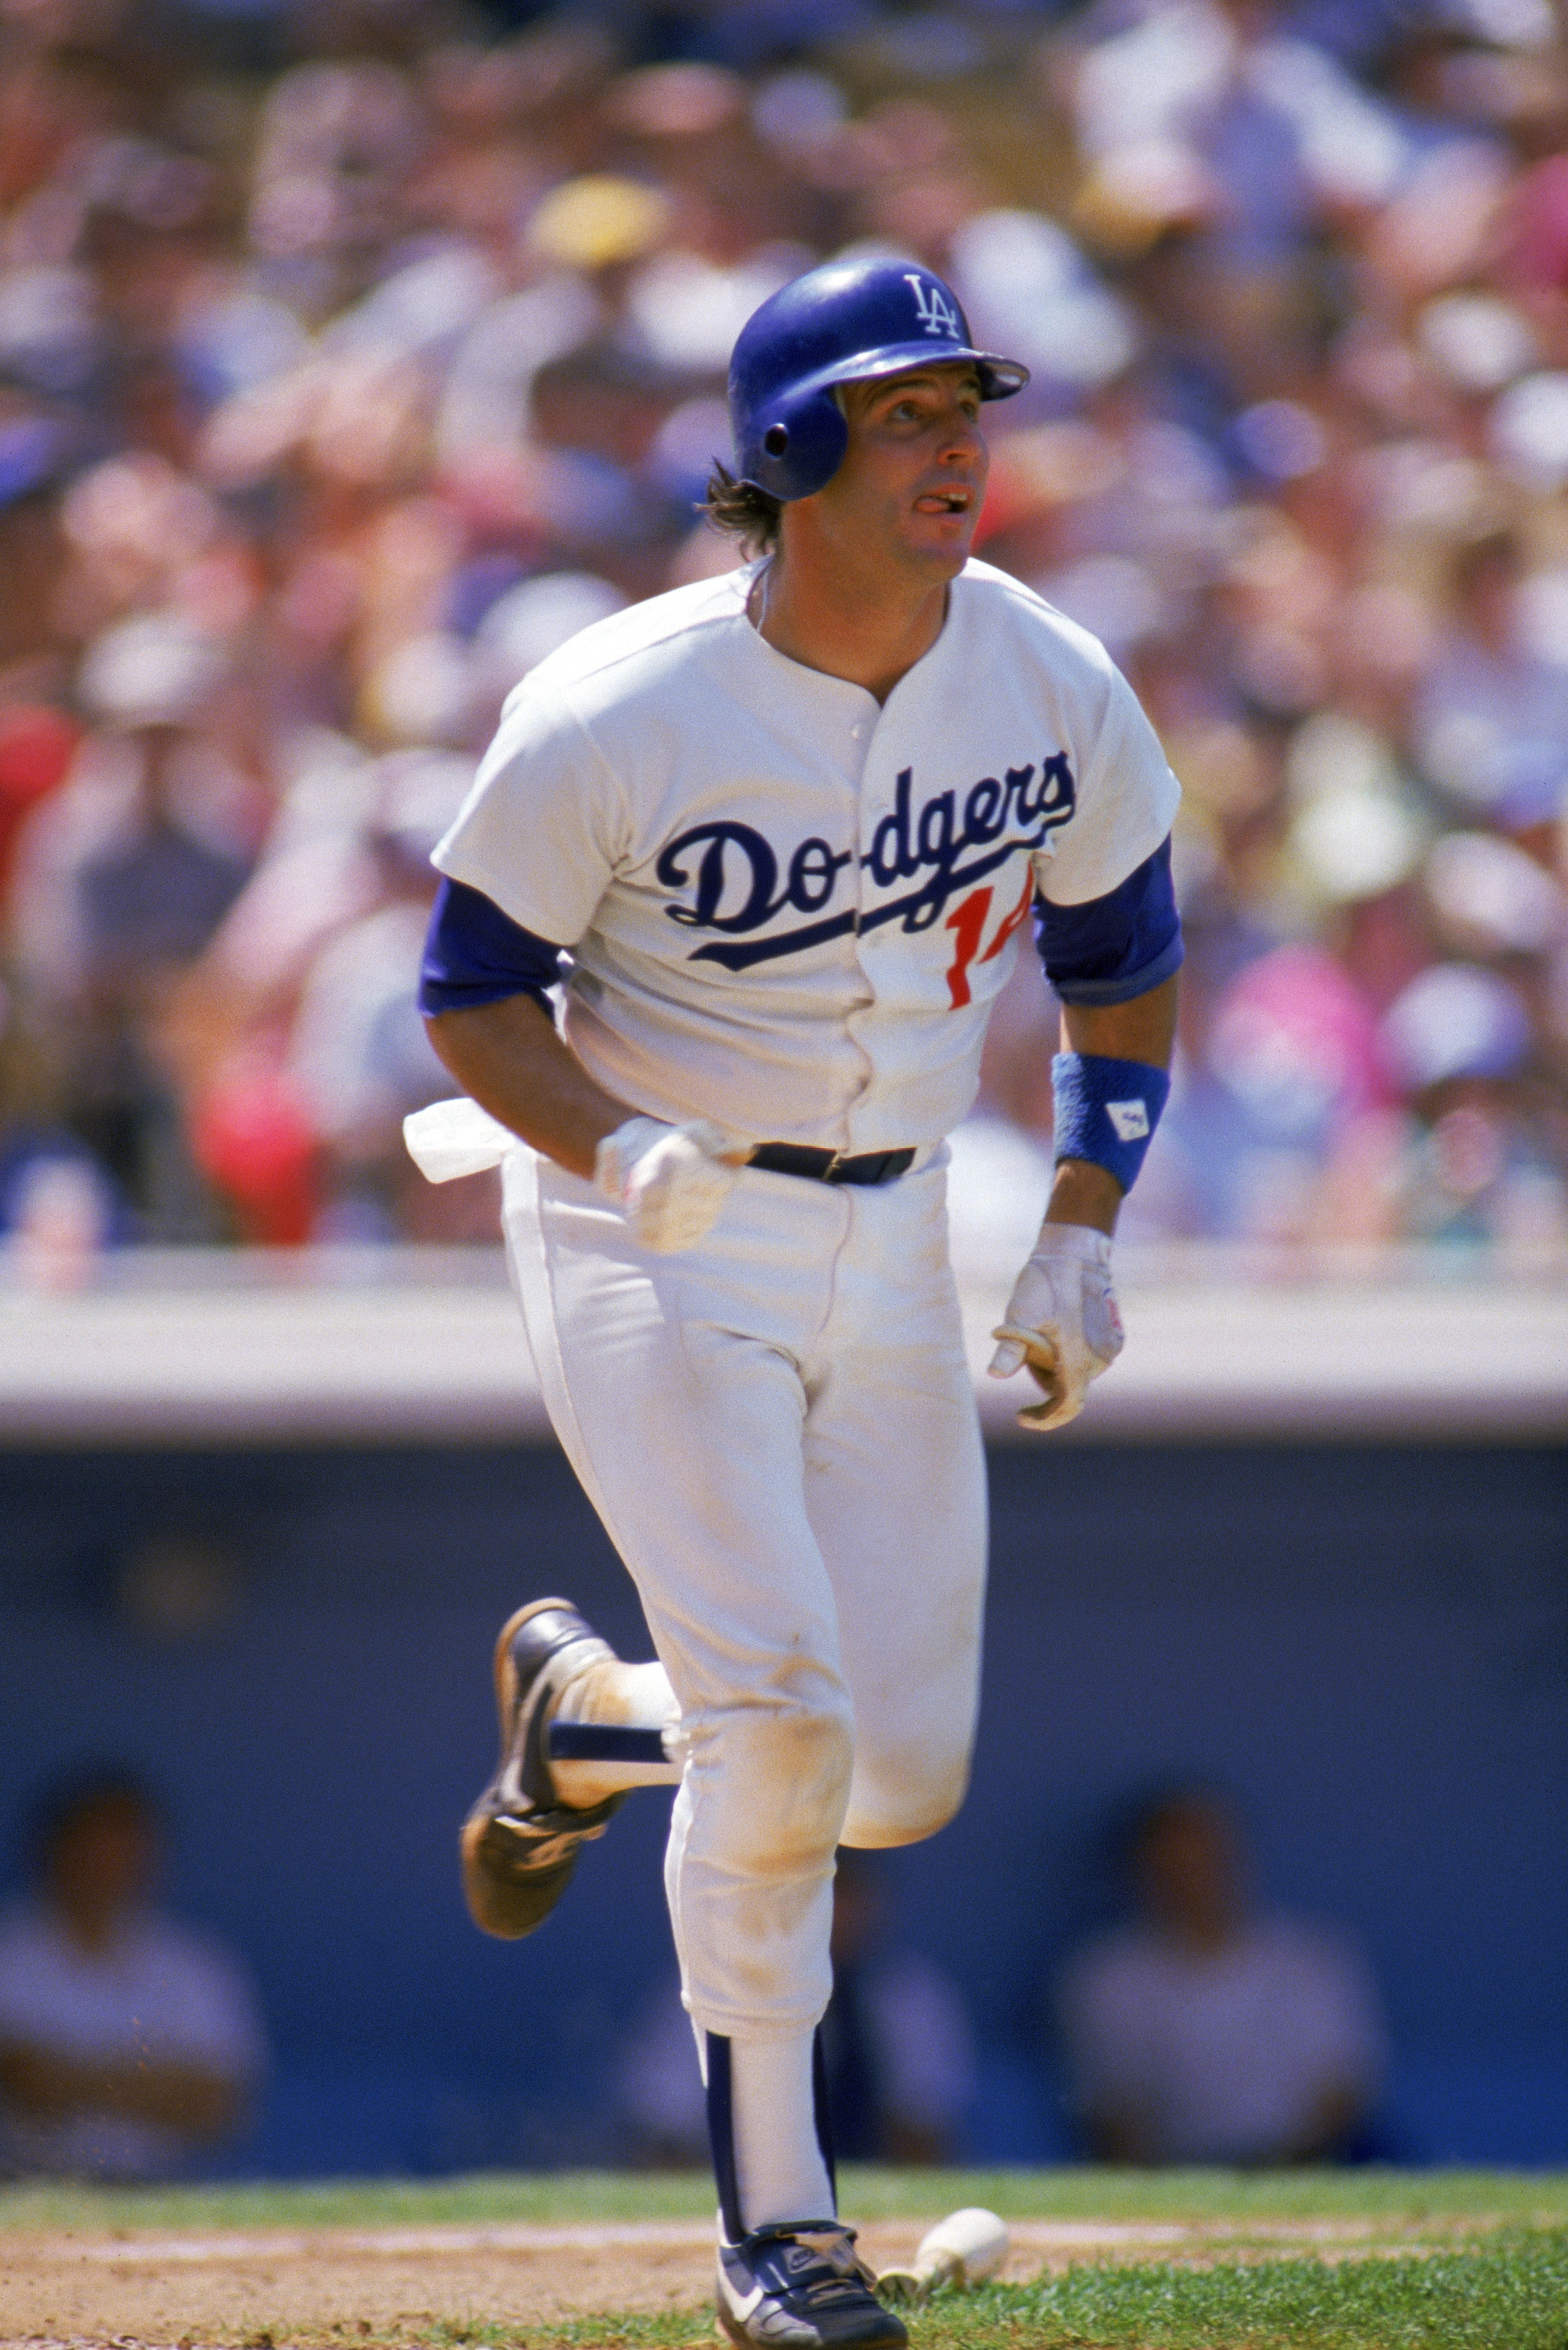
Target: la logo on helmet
column 936, row 313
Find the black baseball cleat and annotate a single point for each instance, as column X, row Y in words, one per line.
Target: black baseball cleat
column 519, row 1844
column 801, row 2288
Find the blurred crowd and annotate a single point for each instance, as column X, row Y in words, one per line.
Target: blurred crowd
column 350, row 358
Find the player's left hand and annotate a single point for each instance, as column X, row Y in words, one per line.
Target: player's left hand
column 1061, row 1321
column 669, row 1182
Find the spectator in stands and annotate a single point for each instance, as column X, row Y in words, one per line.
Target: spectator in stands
column 129, row 2044
column 57, row 1206
column 1208, row 2031
column 123, row 876
column 1491, row 720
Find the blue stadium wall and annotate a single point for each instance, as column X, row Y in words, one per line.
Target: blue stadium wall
column 1368, row 1645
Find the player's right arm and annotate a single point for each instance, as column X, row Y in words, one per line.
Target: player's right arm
column 485, row 992
column 522, row 871
column 507, row 1056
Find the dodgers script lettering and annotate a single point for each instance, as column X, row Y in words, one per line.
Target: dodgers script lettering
column 740, row 882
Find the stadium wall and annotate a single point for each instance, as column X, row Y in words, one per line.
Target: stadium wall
column 1368, row 1643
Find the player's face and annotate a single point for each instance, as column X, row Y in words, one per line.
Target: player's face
column 909, row 491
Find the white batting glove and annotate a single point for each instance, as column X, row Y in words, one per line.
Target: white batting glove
column 1062, row 1321
column 449, row 1139
column 669, row 1182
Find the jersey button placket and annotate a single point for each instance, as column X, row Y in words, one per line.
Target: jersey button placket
column 861, row 1020
column 870, row 811
column 861, row 732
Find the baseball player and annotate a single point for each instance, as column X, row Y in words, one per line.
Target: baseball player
column 775, row 836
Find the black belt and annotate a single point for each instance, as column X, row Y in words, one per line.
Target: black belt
column 831, row 1166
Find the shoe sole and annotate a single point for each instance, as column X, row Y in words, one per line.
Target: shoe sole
column 725, row 2329
column 506, row 1899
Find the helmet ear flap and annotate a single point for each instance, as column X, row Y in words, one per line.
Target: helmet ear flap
column 796, row 445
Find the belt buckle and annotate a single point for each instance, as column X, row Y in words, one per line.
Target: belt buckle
column 830, row 1173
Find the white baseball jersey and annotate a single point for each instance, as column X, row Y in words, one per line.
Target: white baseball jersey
column 790, row 908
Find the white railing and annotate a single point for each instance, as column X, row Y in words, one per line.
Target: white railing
column 364, row 1345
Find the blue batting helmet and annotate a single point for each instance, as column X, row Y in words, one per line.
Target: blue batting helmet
column 844, row 323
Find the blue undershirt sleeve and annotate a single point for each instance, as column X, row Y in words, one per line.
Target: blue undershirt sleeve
column 476, row 954
column 1110, row 948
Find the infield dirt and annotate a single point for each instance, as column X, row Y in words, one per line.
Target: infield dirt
column 336, row 2287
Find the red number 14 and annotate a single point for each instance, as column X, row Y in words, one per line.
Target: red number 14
column 966, row 922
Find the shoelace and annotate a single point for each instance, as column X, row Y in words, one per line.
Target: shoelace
column 831, row 2272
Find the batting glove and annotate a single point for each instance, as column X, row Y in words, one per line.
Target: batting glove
column 669, row 1182
column 1062, row 1321
column 449, row 1139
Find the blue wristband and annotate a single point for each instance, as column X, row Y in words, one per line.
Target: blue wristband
column 1107, row 1111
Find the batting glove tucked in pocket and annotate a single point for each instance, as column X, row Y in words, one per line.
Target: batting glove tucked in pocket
column 1061, row 1321
column 669, row 1182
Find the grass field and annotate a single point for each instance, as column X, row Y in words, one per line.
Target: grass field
column 1374, row 2260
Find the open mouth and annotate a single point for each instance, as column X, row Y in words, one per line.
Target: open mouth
column 944, row 502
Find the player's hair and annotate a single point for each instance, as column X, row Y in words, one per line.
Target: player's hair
column 743, row 511
column 1143, row 1818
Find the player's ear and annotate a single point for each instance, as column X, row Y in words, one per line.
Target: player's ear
column 800, row 444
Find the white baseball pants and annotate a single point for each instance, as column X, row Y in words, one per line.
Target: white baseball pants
column 778, row 1430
